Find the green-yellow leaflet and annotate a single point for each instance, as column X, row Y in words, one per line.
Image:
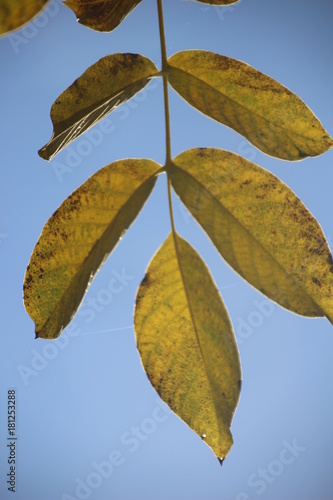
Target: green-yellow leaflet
column 101, row 15
column 78, row 237
column 259, row 226
column 106, row 84
column 15, row 13
column 186, row 342
column 268, row 114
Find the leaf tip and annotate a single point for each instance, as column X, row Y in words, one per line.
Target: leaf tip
column 43, row 154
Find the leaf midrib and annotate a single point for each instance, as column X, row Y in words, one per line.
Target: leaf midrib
column 278, row 124
column 81, row 266
column 175, row 236
column 217, row 201
column 75, row 119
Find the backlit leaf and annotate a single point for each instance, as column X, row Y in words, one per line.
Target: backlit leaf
column 187, row 344
column 259, row 226
column 109, row 82
column 268, row 114
column 78, row 237
column 101, row 15
column 15, row 13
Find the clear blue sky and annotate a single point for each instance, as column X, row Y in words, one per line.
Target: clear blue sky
column 85, row 399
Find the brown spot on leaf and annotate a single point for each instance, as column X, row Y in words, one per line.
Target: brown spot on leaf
column 145, row 280
column 28, row 279
column 316, row 281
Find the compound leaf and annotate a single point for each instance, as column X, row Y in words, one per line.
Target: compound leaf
column 186, row 342
column 15, row 13
column 77, row 239
column 101, row 15
column 259, row 226
column 269, row 115
column 109, row 82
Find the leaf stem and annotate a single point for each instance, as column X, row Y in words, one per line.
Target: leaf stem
column 166, row 107
column 165, row 81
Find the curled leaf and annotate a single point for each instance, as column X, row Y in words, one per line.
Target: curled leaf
column 77, row 239
column 186, row 342
column 259, row 226
column 269, row 115
column 218, row 2
column 106, row 84
column 101, row 15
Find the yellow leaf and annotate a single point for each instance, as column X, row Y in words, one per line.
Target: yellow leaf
column 187, row 344
column 106, row 84
column 77, row 239
column 259, row 226
column 15, row 13
column 101, row 15
column 268, row 114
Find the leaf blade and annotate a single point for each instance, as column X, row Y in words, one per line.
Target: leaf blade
column 77, row 239
column 106, row 84
column 186, row 342
column 259, row 226
column 101, row 15
column 269, row 115
column 15, row 13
